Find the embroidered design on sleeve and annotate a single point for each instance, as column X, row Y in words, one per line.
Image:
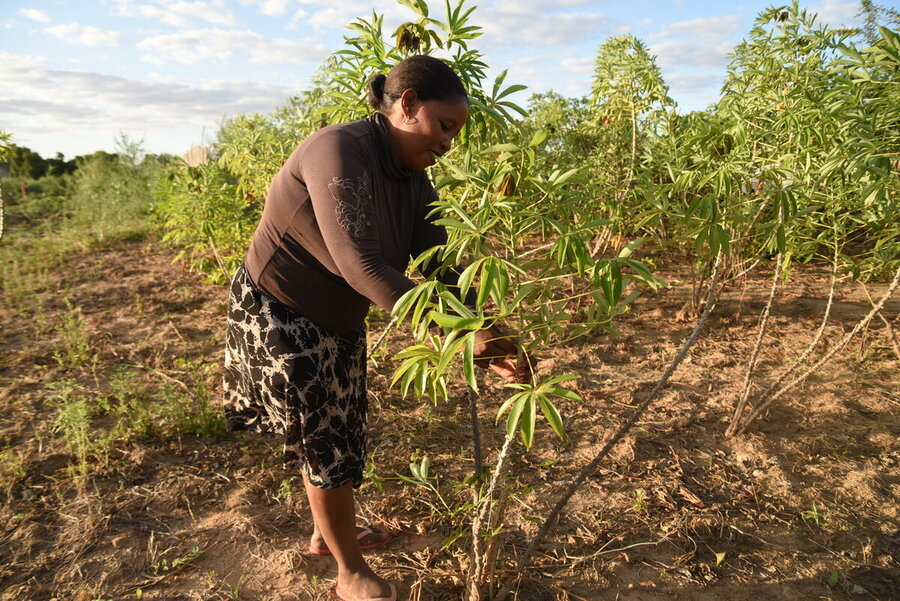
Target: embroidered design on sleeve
column 351, row 201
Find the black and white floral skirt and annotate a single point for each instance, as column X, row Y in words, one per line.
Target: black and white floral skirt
column 286, row 375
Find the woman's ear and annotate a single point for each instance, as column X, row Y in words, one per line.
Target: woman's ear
column 409, row 105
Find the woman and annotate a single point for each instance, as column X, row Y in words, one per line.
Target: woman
column 342, row 219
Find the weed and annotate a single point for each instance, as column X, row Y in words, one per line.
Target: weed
column 139, row 308
column 142, row 412
column 163, row 565
column 12, row 469
column 640, row 501
column 74, row 337
column 73, row 422
column 816, row 516
column 836, row 578
column 370, row 475
column 286, row 490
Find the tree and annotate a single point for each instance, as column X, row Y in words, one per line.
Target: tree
column 25, row 163
column 629, row 100
column 876, row 16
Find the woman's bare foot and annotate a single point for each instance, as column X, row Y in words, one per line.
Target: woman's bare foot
column 374, row 538
column 362, row 585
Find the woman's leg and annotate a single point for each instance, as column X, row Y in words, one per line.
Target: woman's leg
column 334, row 514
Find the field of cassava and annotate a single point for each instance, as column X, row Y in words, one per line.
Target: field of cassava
column 708, row 299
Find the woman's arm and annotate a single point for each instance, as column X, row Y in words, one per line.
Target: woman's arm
column 338, row 176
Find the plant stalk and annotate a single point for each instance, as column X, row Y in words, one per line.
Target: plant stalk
column 812, row 345
column 766, row 403
column 711, row 299
column 754, row 356
column 887, row 324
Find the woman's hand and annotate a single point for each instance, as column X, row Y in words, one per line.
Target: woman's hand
column 498, row 351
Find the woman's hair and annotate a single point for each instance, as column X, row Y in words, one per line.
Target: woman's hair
column 431, row 78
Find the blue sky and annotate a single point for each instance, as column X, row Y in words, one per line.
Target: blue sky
column 73, row 75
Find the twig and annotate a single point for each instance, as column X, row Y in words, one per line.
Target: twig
column 765, row 404
column 476, row 432
column 816, row 339
column 754, row 356
column 476, row 574
column 712, row 297
column 383, row 335
column 890, row 329
column 215, row 250
column 160, row 373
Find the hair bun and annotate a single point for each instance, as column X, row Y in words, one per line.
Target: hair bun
column 375, row 90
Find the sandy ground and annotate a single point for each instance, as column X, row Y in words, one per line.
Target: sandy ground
column 803, row 507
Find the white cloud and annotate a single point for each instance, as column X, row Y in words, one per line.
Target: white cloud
column 706, row 26
column 87, row 35
column 33, row 96
column 297, row 18
column 512, row 24
column 704, row 42
column 273, row 8
column 218, row 45
column 335, row 15
column 835, row 12
column 35, row 15
column 692, row 52
column 178, row 14
column 578, row 64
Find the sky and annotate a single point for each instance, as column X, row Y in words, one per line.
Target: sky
column 76, row 75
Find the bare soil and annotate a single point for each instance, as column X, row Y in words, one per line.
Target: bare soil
column 803, row 507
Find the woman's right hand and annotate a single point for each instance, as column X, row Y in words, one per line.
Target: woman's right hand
column 496, row 350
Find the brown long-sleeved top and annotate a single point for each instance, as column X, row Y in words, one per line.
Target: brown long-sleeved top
column 340, row 224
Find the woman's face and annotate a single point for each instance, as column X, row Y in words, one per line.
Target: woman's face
column 423, row 130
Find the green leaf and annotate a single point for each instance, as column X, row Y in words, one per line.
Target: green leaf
column 720, row 557
column 538, row 138
column 455, row 321
column 553, row 416
column 469, row 362
column 528, row 421
column 631, row 247
column 513, row 419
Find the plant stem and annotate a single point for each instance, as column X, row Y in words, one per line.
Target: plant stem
column 476, row 432
column 887, row 324
column 476, row 573
column 812, row 345
column 711, row 299
column 766, row 403
column 383, row 335
column 754, row 356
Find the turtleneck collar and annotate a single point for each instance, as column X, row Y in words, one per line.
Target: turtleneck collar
column 379, row 124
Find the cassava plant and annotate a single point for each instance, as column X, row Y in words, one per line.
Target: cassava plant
column 850, row 180
column 628, row 101
column 520, row 234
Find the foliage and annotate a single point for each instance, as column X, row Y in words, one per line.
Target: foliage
column 112, row 193
column 5, row 145
column 797, row 161
column 95, row 427
column 797, row 147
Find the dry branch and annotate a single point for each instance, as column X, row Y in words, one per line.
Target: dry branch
column 754, row 356
column 887, row 324
column 711, row 299
column 765, row 403
column 477, row 572
column 815, row 341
